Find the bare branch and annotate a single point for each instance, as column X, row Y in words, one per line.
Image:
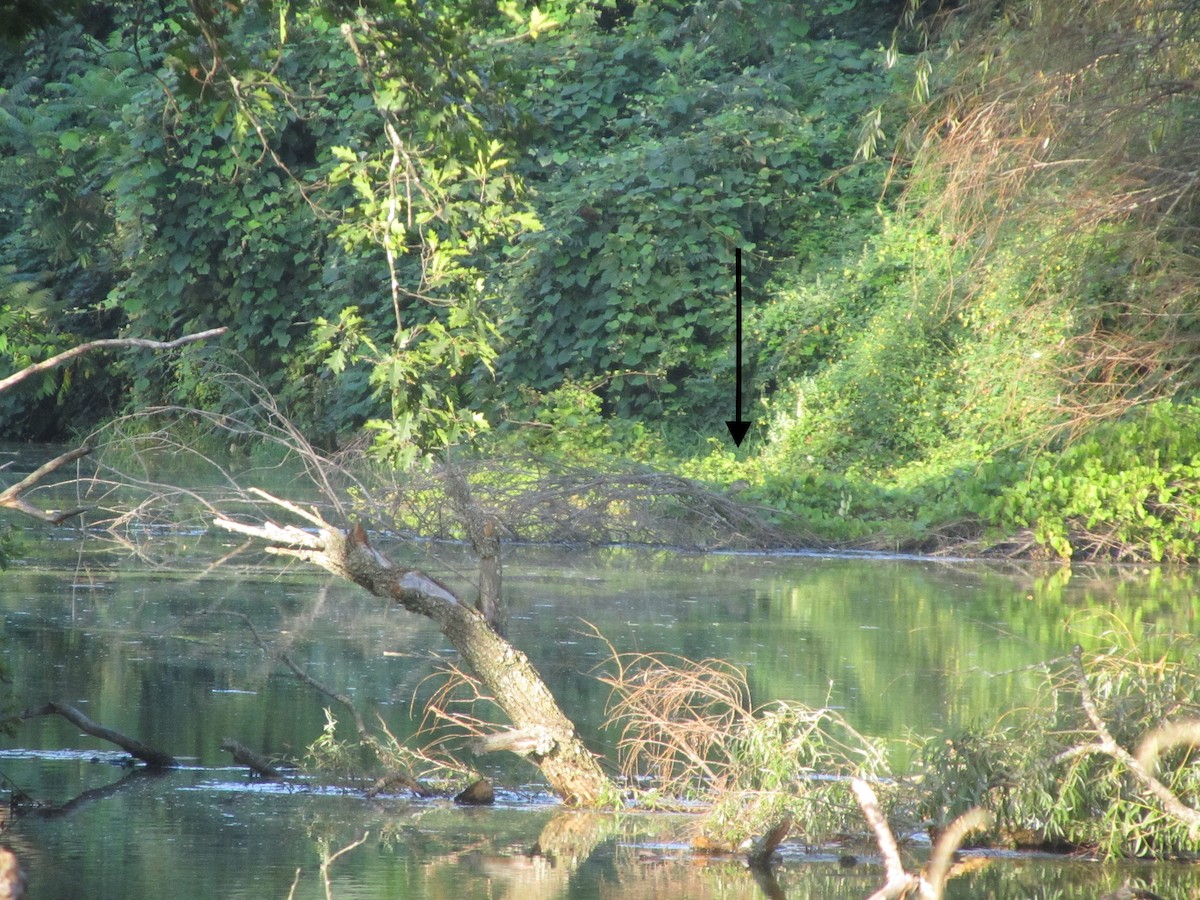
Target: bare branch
column 106, row 344
column 156, row 759
column 899, row 882
column 254, row 761
column 520, row 692
column 951, row 839
column 10, row 497
column 1155, row 742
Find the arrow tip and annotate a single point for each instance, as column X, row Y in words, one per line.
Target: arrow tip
column 737, row 431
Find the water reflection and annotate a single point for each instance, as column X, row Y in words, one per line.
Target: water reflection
column 899, row 645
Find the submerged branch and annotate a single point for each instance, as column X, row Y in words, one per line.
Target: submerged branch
column 155, row 759
column 254, row 761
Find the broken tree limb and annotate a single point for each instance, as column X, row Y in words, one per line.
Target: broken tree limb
column 106, row 344
column 155, row 759
column 763, row 847
column 572, row 771
column 256, row 762
column 899, row 883
column 522, row 742
column 12, row 496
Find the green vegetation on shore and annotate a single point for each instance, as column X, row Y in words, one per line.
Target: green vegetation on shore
column 971, row 269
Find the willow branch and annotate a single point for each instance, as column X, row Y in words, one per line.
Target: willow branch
column 1141, row 773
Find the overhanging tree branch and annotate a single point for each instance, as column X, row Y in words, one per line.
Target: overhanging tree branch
column 11, row 497
column 106, row 344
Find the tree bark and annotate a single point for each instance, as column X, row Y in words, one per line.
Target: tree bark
column 572, row 771
column 256, row 762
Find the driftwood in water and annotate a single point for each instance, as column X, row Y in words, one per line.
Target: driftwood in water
column 504, row 670
column 256, row 762
column 763, row 846
column 392, row 779
column 155, row 759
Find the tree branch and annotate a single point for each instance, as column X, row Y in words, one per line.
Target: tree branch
column 155, row 759
column 1141, row 773
column 503, row 669
column 10, row 497
column 106, row 344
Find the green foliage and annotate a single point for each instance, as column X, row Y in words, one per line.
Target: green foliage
column 1042, row 775
column 332, row 756
column 1128, row 490
column 423, row 414
column 7, row 546
column 650, row 162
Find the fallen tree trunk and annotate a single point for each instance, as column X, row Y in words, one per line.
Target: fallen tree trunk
column 571, row 770
column 155, row 759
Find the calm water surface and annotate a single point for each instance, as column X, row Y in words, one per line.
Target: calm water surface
column 900, row 646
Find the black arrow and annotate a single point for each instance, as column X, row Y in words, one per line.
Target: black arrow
column 738, row 428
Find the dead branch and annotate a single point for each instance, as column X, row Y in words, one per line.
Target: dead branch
column 106, row 344
column 532, row 499
column 391, row 780
column 761, row 848
column 12, row 496
column 528, row 740
column 1163, row 738
column 296, row 669
column 900, row 883
column 155, row 759
column 254, row 761
column 483, row 534
column 938, row 869
column 329, row 860
column 506, row 672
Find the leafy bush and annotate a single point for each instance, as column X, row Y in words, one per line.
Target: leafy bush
column 1041, row 770
column 648, row 164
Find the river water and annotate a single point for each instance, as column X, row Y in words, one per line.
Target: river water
column 900, row 646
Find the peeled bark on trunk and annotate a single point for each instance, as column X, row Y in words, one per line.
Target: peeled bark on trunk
column 572, row 771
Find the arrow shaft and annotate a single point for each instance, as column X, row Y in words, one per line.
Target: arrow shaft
column 737, row 289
